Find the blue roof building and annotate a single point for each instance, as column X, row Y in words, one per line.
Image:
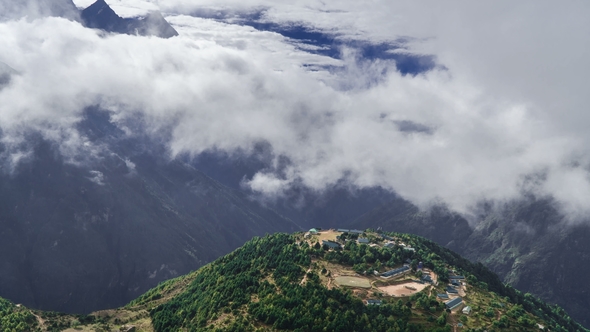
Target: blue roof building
column 331, row 244
column 373, row 302
column 454, row 303
column 363, row 240
column 394, row 272
column 342, row 230
column 355, row 231
column 443, row 296
column 456, row 277
column 451, row 290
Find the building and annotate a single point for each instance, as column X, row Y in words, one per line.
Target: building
column 456, row 277
column 355, row 231
column 427, row 278
column 454, row 303
column 331, row 244
column 395, row 272
column 342, row 230
column 389, row 245
column 385, row 237
column 443, row 296
column 363, row 240
column 373, row 302
column 409, row 249
column 467, row 310
column 451, row 290
column 313, row 231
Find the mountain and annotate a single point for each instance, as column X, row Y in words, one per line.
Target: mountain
column 81, row 235
column 100, row 16
column 333, row 207
column 438, row 223
column 290, row 282
column 527, row 243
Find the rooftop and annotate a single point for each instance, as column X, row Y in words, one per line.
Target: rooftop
column 395, row 271
column 331, row 244
column 452, row 304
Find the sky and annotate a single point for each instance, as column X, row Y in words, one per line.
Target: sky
column 456, row 102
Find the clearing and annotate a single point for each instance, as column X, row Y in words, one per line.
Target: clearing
column 405, row 289
column 353, row 282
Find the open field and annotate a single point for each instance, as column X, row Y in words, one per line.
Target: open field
column 353, row 282
column 327, row 235
column 405, row 289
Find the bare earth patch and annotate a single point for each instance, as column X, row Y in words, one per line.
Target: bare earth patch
column 405, row 289
column 328, row 235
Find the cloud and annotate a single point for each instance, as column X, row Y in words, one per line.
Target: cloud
column 506, row 102
column 33, row 9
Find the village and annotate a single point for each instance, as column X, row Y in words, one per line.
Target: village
column 373, row 287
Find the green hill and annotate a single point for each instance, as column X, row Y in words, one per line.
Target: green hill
column 292, row 282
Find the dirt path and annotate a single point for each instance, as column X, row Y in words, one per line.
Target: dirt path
column 40, row 320
column 305, row 276
column 453, row 321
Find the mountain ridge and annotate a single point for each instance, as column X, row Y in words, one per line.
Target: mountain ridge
column 100, row 15
column 284, row 282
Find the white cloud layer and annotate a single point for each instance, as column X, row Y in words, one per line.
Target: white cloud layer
column 511, row 103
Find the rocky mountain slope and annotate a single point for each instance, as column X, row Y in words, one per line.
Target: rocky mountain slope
column 291, row 282
column 528, row 243
column 99, row 15
column 82, row 235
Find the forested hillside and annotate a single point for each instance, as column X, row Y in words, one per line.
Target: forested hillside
column 292, row 282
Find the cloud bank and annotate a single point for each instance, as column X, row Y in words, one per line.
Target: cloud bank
column 506, row 104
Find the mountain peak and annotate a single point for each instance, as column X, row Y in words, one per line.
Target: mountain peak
column 100, row 15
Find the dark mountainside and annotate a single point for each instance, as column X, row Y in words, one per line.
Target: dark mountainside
column 100, row 16
column 334, row 207
column 82, row 238
column 526, row 242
